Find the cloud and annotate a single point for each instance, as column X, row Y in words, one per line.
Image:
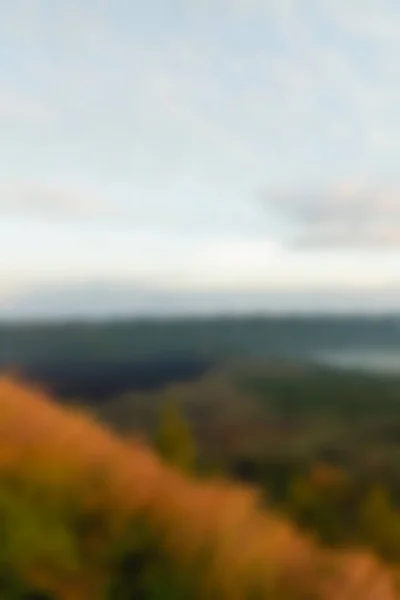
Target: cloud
column 24, row 198
column 93, row 300
column 247, row 104
column 366, row 19
column 171, row 122
column 18, row 106
column 351, row 214
column 122, row 209
column 243, row 102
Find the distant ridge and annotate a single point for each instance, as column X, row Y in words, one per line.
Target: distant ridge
column 107, row 300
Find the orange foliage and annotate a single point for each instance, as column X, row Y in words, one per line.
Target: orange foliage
column 250, row 548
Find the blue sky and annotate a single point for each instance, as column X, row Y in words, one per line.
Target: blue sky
column 247, row 144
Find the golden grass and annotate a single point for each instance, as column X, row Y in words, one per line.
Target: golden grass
column 72, row 456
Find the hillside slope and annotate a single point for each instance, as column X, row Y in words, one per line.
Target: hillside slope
column 84, row 515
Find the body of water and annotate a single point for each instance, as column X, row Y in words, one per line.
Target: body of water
column 373, row 361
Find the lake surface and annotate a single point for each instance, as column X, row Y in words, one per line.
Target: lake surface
column 372, row 361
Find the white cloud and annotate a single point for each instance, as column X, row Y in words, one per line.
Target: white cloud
column 248, row 105
column 223, row 262
column 171, row 124
column 367, row 19
column 38, row 199
column 16, row 106
column 351, row 214
column 123, row 209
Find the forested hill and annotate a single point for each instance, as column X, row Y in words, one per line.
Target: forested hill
column 199, row 338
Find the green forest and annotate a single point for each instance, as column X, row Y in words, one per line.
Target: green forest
column 212, row 338
column 244, row 477
column 323, row 446
column 85, row 513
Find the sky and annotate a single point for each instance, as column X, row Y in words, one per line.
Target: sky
column 200, row 145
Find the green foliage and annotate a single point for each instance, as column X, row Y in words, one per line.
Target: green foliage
column 71, row 531
column 379, row 523
column 30, row 532
column 338, row 512
column 58, row 540
column 143, row 571
column 317, row 510
column 173, row 439
column 214, row 337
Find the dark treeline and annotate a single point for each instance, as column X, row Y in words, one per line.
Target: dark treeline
column 96, row 360
column 219, row 337
column 99, row 381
